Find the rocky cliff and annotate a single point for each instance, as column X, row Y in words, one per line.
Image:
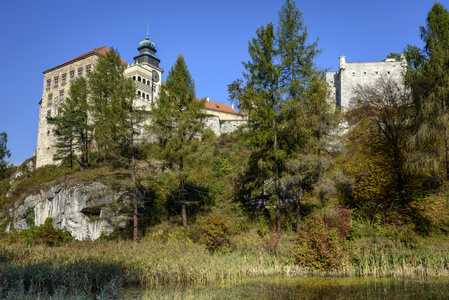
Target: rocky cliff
column 84, row 210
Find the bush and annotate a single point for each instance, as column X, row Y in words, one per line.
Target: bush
column 216, row 233
column 322, row 240
column 47, row 234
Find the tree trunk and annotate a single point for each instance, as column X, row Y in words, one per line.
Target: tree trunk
column 298, row 210
column 136, row 223
column 183, row 200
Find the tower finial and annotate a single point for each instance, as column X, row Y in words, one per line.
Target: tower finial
column 148, row 27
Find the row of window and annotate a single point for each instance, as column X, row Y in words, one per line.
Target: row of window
column 50, row 97
column 64, row 77
column 377, row 73
column 141, row 79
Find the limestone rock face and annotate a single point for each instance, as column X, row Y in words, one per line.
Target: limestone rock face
column 84, row 210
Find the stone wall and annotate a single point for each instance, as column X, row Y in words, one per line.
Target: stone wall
column 344, row 83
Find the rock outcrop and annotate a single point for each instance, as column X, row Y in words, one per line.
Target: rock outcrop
column 86, row 211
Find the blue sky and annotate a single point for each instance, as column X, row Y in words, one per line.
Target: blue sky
column 212, row 35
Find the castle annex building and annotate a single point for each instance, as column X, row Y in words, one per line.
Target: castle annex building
column 146, row 73
column 344, row 82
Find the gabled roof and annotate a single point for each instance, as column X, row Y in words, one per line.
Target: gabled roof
column 97, row 51
column 221, row 107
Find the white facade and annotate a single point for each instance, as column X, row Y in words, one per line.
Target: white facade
column 344, row 82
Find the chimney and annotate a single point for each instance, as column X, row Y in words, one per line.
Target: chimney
column 207, row 99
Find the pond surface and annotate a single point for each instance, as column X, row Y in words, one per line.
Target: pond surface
column 303, row 288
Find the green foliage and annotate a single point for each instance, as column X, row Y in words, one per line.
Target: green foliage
column 217, row 231
column 178, row 122
column 4, row 153
column 322, row 240
column 73, row 132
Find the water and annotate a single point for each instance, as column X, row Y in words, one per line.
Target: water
column 302, row 288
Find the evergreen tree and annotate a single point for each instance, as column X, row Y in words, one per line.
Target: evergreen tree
column 288, row 112
column 4, row 152
column 71, row 127
column 177, row 120
column 295, row 54
column 428, row 77
column 116, row 119
column 265, row 116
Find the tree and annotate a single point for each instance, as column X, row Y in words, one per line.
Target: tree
column 116, row 119
column 72, row 130
column 295, row 54
column 428, row 78
column 177, row 121
column 384, row 121
column 288, row 111
column 4, row 152
column 263, row 75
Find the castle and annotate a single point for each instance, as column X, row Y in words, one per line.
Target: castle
column 145, row 72
column 344, row 82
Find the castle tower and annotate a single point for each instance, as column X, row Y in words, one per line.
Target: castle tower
column 146, row 73
column 147, row 55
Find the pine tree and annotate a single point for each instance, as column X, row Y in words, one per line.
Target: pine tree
column 4, row 152
column 428, row 78
column 263, row 77
column 295, row 54
column 71, row 127
column 177, row 120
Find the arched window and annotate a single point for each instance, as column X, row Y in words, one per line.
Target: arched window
column 139, row 79
column 143, row 95
column 148, row 97
column 134, row 78
column 143, row 80
column 138, row 93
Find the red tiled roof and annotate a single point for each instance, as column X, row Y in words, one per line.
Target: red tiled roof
column 97, row 51
column 221, row 107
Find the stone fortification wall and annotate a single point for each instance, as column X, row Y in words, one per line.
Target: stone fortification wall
column 344, row 83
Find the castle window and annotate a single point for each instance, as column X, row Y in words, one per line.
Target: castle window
column 143, row 95
column 50, row 100
column 134, row 78
column 48, row 83
column 56, row 81
column 148, row 97
column 138, row 93
column 143, row 80
column 49, row 113
column 139, row 79
column 148, row 82
column 80, row 72
column 61, row 95
column 88, row 69
column 63, row 79
column 72, row 75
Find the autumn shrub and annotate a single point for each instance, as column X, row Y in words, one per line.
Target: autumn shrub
column 47, row 234
column 322, row 240
column 216, row 233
